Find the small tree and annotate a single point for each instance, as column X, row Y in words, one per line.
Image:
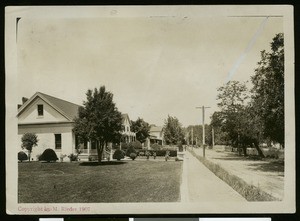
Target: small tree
column 29, row 140
column 173, row 132
column 141, row 128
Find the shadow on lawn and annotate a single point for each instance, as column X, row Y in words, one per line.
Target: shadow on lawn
column 105, row 163
column 232, row 156
column 273, row 166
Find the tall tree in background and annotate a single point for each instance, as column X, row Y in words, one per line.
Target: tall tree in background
column 268, row 91
column 233, row 97
column 141, row 128
column 98, row 120
column 173, row 132
column 221, row 137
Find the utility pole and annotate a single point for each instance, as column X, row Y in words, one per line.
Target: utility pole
column 203, row 128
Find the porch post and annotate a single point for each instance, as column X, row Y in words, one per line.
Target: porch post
column 89, row 147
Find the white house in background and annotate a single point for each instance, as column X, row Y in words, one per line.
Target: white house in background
column 156, row 135
column 51, row 119
column 128, row 135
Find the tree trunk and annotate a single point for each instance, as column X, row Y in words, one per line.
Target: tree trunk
column 100, row 146
column 29, row 155
column 245, row 150
column 260, row 152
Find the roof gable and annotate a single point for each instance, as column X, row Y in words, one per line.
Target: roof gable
column 124, row 118
column 156, row 129
column 65, row 108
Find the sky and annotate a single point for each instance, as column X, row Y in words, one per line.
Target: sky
column 154, row 66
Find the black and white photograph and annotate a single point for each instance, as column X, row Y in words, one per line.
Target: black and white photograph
column 150, row 109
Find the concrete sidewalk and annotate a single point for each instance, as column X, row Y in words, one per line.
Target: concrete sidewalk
column 199, row 184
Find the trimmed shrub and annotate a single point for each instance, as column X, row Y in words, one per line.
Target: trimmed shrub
column 22, row 156
column 136, row 144
column 156, row 146
column 159, row 153
column 73, row 157
column 130, row 150
column 124, row 146
column 133, row 156
column 48, row 155
column 118, row 154
column 148, row 154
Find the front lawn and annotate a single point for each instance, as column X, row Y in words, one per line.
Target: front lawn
column 128, row 181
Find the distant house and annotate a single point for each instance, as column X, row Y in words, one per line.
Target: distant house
column 128, row 135
column 156, row 135
column 52, row 120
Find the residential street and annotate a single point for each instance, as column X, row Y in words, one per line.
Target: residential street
column 268, row 175
column 199, row 184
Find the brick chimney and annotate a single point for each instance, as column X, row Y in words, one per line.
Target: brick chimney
column 24, row 99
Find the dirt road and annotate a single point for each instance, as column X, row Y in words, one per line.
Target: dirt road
column 266, row 174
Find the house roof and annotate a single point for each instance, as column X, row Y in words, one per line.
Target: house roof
column 156, row 129
column 66, row 108
column 124, row 116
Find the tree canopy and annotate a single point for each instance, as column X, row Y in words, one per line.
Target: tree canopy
column 141, row 128
column 268, row 91
column 249, row 117
column 173, row 132
column 98, row 120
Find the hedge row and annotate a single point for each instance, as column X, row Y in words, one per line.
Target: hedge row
column 159, row 153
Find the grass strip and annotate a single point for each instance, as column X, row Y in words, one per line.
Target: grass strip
column 249, row 192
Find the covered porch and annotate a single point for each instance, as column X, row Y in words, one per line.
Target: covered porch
column 88, row 151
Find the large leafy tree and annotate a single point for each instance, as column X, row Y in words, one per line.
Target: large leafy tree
column 98, row 120
column 268, row 91
column 220, row 136
column 234, row 119
column 141, row 128
column 29, row 140
column 173, row 132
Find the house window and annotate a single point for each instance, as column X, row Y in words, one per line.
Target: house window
column 40, row 109
column 57, row 141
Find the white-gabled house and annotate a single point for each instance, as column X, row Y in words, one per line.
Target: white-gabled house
column 51, row 119
column 128, row 135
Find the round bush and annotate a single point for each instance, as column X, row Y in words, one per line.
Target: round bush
column 22, row 156
column 118, row 154
column 133, row 156
column 124, row 145
column 156, row 146
column 130, row 150
column 48, row 155
column 136, row 144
